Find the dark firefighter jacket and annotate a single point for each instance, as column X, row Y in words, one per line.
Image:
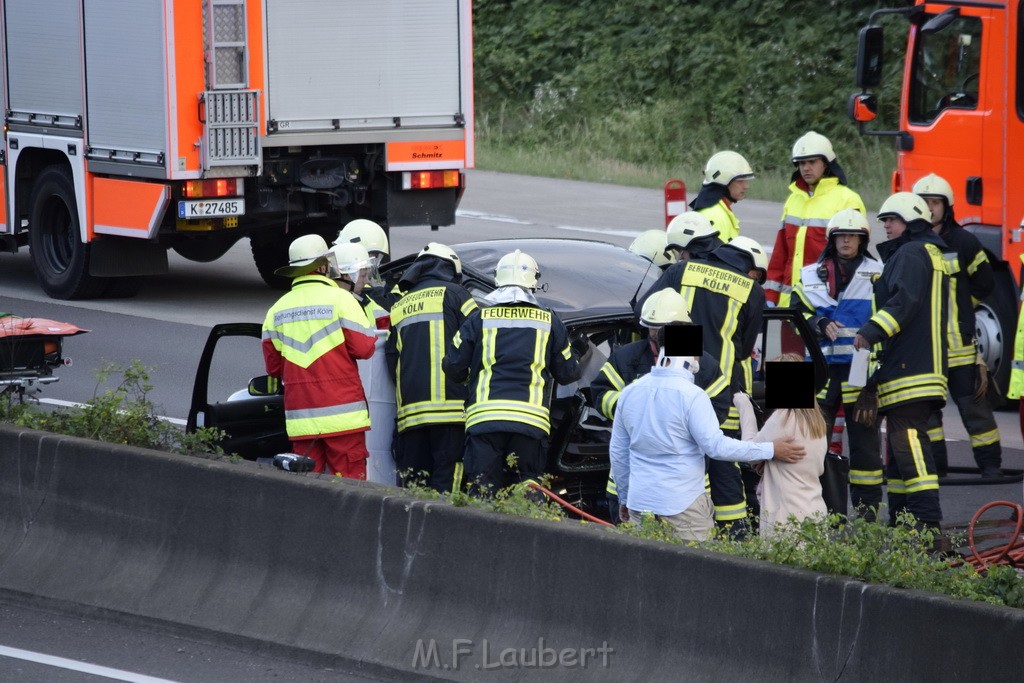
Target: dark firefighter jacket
column 730, row 307
column 512, row 355
column 632, row 361
column 427, row 316
column 971, row 281
column 910, row 322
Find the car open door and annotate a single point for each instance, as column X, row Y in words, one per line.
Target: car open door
column 253, row 425
column 786, row 330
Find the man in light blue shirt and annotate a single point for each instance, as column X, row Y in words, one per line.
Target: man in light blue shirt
column 664, row 424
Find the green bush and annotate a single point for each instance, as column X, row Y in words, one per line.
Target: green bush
column 647, row 83
column 900, row 556
column 121, row 414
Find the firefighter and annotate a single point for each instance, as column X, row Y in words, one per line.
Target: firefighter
column 724, row 295
column 651, row 244
column 837, row 294
column 727, row 178
column 817, row 192
column 632, row 361
column 912, row 307
column 376, row 300
column 972, row 280
column 691, row 235
column 431, row 428
column 512, row 353
column 312, row 337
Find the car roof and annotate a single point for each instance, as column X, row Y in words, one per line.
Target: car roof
column 579, row 279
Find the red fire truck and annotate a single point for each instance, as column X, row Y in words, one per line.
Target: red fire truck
column 137, row 127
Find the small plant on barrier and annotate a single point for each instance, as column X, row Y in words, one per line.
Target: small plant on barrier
column 122, row 413
column 518, row 500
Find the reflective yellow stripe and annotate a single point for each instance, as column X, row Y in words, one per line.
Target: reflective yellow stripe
column 936, row 434
column 731, row 513
column 896, row 486
column 981, row 257
column 483, row 386
column 885, row 320
column 907, row 395
column 344, row 417
column 707, row 482
column 459, row 473
column 928, row 482
column 536, row 380
column 866, row 477
column 936, row 320
column 507, row 410
column 985, row 438
column 611, row 488
column 798, row 264
column 917, row 454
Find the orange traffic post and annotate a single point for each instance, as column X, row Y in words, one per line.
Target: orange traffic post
column 675, row 199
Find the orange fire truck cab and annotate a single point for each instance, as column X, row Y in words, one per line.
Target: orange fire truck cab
column 961, row 116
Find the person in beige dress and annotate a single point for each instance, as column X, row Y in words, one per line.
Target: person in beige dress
column 791, row 489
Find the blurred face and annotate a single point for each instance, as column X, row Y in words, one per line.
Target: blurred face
column 894, row 227
column 847, row 246
column 738, row 189
column 937, row 206
column 811, row 170
column 361, row 280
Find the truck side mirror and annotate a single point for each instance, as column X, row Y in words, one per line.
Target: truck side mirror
column 869, row 57
column 863, row 107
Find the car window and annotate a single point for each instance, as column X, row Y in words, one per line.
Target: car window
column 235, row 361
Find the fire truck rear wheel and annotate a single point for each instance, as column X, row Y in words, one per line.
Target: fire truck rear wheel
column 59, row 257
column 269, row 255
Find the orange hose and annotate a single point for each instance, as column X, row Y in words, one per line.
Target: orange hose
column 567, row 505
column 1008, row 553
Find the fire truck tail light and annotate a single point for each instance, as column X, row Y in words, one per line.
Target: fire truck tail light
column 428, row 180
column 218, row 187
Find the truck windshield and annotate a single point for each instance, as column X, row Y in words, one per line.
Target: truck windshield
column 946, row 70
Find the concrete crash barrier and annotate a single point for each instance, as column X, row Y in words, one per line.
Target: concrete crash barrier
column 352, row 571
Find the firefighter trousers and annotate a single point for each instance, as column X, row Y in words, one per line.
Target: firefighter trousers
column 430, row 455
column 977, row 418
column 865, row 443
column 487, row 455
column 727, row 489
column 913, row 485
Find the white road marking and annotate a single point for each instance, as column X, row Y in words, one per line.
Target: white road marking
column 497, row 218
column 74, row 665
column 71, row 404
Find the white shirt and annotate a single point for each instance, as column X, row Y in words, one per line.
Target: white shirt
column 664, row 424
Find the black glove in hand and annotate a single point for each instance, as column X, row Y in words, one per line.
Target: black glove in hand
column 865, row 410
column 580, row 343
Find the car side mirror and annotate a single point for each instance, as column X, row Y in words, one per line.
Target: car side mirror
column 265, row 385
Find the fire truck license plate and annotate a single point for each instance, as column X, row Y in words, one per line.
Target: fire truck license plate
column 211, row 208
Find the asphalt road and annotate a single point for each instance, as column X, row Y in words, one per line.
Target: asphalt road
column 40, row 645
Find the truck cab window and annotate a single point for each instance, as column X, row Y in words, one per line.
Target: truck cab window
column 946, row 70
